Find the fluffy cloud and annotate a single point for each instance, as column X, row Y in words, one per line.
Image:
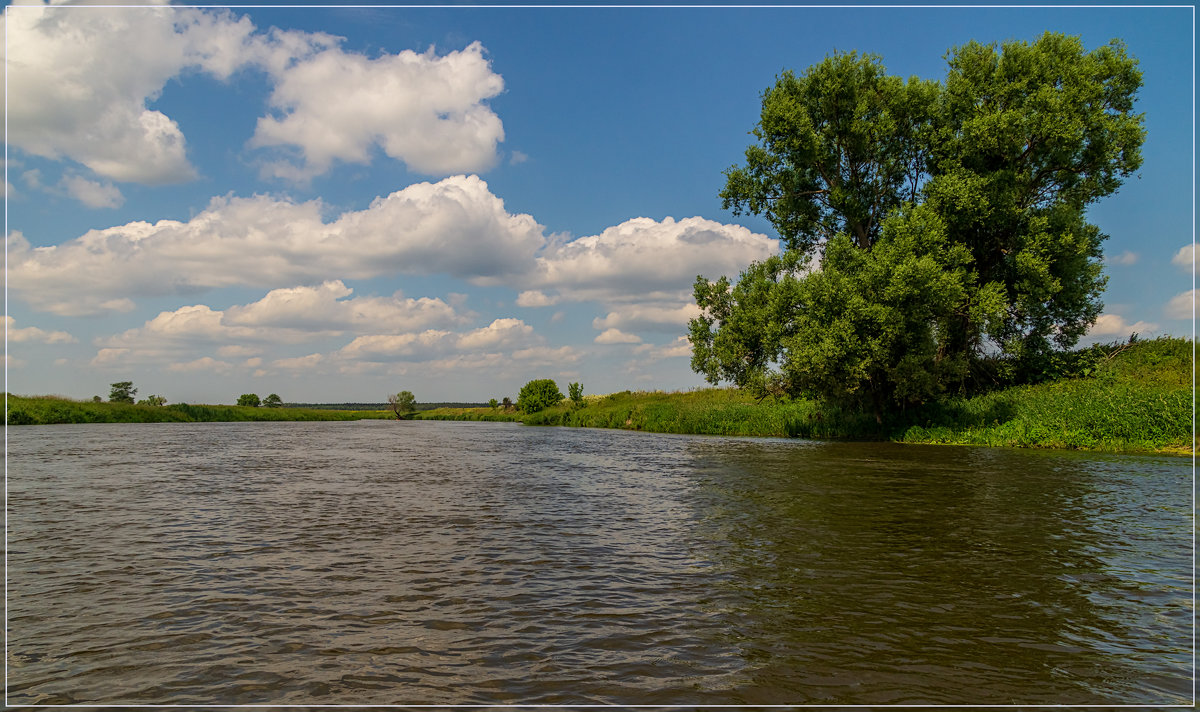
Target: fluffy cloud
column 644, row 259
column 207, row 363
column 284, row 316
column 93, row 194
column 299, row 363
column 79, row 87
column 1181, row 305
column 1114, row 325
column 535, row 298
column 678, row 348
column 649, row 317
column 1185, row 257
column 324, row 308
column 80, row 90
column 422, row 109
column 500, row 335
column 34, row 334
column 1124, row 259
column 455, row 226
column 616, row 336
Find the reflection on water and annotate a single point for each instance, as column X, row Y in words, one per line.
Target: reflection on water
column 890, row 574
column 472, row 563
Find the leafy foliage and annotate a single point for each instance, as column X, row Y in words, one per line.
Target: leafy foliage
column 249, row 399
column 575, row 392
column 538, row 394
column 926, row 224
column 122, row 392
column 403, row 403
column 272, row 401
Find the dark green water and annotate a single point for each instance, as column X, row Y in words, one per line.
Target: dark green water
column 382, row 562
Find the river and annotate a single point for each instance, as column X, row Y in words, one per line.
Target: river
column 379, row 562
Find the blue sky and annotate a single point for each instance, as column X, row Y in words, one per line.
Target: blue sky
column 334, row 204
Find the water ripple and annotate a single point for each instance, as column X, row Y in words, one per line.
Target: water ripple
column 470, row 563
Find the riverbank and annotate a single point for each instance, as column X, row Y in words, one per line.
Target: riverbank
column 1137, row 401
column 51, row 410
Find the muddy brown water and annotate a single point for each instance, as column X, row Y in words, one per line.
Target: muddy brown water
column 380, row 562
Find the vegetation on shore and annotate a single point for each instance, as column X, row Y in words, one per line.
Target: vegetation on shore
column 1135, row 398
column 50, row 410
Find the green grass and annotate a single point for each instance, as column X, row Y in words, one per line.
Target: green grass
column 51, row 410
column 1139, row 400
column 490, row 414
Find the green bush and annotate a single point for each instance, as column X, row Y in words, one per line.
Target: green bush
column 538, row 394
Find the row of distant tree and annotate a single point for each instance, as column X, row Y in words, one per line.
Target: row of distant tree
column 124, row 392
column 535, row 395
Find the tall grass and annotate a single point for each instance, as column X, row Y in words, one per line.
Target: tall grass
column 1137, row 400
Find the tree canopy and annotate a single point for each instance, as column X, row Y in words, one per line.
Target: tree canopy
column 924, row 223
column 122, row 392
column 403, row 404
column 538, row 394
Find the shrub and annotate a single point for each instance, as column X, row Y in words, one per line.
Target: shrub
column 538, row 394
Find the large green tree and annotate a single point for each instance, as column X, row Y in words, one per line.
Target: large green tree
column 924, row 223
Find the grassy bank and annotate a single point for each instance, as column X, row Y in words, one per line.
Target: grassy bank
column 48, row 410
column 1139, row 400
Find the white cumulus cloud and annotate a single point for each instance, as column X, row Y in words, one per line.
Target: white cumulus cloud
column 1115, row 325
column 644, row 259
column 325, row 308
column 422, row 109
column 1182, row 305
column 1184, row 258
column 81, row 82
column 501, row 335
column 678, row 348
column 34, row 334
column 455, row 226
column 649, row 317
column 93, row 194
column 535, row 298
column 616, row 336
column 1124, row 259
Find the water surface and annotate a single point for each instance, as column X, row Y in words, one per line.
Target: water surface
column 473, row 563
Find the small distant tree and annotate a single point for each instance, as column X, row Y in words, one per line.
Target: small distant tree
column 403, row 404
column 122, row 392
column 493, row 404
column 507, row 403
column 538, row 394
column 153, row 400
column 575, row 391
column 96, row 399
column 272, row 401
column 250, row 399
